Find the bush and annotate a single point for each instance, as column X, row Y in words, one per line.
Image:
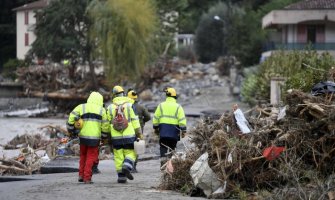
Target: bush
column 10, row 67
column 302, row 70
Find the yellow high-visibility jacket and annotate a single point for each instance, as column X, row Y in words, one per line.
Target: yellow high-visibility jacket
column 123, row 139
column 95, row 120
column 170, row 119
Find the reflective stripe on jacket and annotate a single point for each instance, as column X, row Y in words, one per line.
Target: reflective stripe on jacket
column 170, row 118
column 95, row 120
column 127, row 137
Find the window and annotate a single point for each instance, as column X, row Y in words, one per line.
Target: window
column 26, row 17
column 311, row 34
column 26, row 39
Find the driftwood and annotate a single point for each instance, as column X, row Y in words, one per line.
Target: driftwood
column 15, row 170
column 59, row 95
column 13, row 162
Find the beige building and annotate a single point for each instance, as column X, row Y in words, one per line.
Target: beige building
column 25, row 24
column 308, row 23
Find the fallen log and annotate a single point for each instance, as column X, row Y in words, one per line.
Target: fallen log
column 15, row 169
column 13, row 162
column 59, row 95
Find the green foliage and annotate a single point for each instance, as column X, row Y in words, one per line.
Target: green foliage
column 211, row 35
column 190, row 16
column 62, row 36
column 8, row 29
column 10, row 67
column 168, row 13
column 245, row 38
column 302, row 69
column 124, row 30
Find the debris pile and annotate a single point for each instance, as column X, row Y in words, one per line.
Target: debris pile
column 27, row 162
column 35, row 150
column 52, row 83
column 289, row 147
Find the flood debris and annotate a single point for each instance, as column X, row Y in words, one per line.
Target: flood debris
column 286, row 155
column 36, row 150
column 52, row 83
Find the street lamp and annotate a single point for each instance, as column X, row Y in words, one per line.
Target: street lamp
column 217, row 18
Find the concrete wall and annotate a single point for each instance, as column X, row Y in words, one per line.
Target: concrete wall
column 10, row 90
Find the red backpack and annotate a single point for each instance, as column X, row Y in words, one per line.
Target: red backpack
column 120, row 121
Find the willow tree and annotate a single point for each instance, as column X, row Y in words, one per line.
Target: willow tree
column 123, row 30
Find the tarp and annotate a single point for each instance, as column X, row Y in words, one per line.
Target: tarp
column 324, row 87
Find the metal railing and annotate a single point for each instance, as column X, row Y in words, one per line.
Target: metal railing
column 270, row 46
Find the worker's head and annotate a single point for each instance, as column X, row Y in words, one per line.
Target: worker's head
column 117, row 91
column 132, row 94
column 171, row 92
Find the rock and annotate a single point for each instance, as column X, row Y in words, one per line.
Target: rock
column 211, row 70
column 215, row 77
column 146, row 95
column 196, row 92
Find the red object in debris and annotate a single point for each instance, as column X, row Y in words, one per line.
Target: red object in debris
column 272, row 152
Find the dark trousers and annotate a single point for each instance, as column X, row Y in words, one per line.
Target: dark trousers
column 168, row 142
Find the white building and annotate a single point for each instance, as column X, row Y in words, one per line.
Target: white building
column 25, row 24
column 307, row 23
column 184, row 40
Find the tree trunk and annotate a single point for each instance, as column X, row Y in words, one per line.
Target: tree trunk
column 94, row 82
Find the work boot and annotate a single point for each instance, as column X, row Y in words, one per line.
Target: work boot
column 121, row 180
column 127, row 172
column 88, row 182
column 80, row 179
column 95, row 170
column 134, row 170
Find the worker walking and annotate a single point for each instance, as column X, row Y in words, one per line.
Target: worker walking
column 169, row 122
column 91, row 119
column 141, row 112
column 125, row 129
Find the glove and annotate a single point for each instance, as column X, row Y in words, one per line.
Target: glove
column 104, row 141
column 73, row 133
column 183, row 133
column 156, row 131
column 140, row 137
column 138, row 132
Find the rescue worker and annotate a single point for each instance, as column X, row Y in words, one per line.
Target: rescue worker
column 141, row 112
column 123, row 141
column 94, row 127
column 169, row 122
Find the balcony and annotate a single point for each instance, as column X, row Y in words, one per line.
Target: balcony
column 271, row 46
